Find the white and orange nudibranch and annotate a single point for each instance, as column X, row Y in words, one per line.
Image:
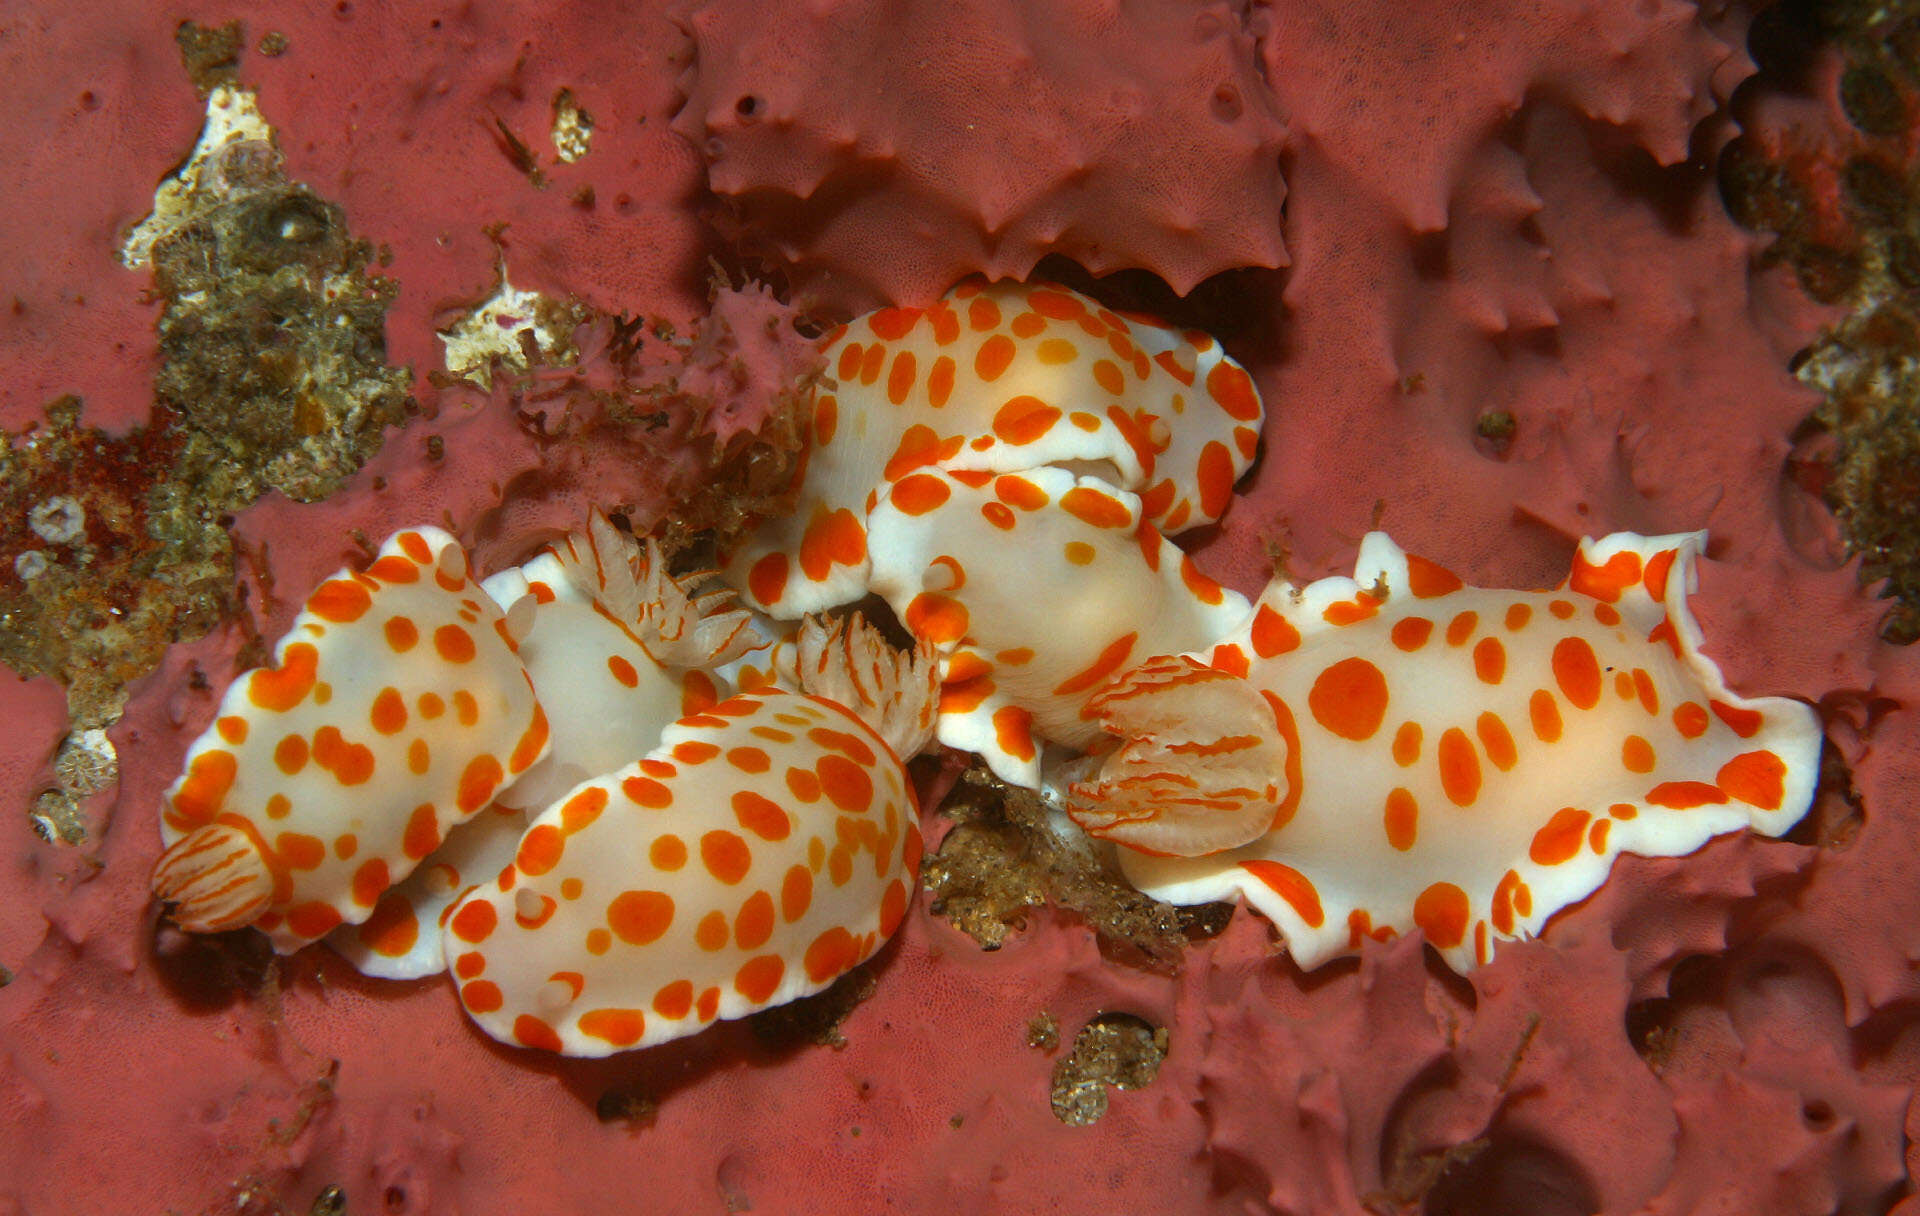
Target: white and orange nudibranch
column 999, row 378
column 617, row 649
column 1396, row 750
column 394, row 710
column 765, row 847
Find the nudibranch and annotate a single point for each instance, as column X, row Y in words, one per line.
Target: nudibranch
column 1037, row 589
column 617, row 650
column 1465, row 761
column 999, row 378
column 765, row 847
column 393, row 711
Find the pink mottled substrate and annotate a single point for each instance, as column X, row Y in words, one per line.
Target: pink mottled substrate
column 1466, row 241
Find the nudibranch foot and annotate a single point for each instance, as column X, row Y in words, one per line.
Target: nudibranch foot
column 1202, row 766
column 395, row 707
column 1470, row 761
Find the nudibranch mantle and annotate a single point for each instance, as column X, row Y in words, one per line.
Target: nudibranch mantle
column 1469, row 761
column 764, row 848
column 394, row 709
column 999, row 378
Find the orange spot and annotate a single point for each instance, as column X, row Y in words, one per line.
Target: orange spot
column 423, row 832
column 1108, row 376
column 1560, row 839
column 620, row 1027
column 936, row 617
column 392, row 930
column 999, row 515
column 1577, row 672
column 453, row 643
column 481, row 996
column 826, row 418
column 1411, row 633
column 370, row 882
column 893, row 907
column 833, row 538
column 1489, row 660
column 803, row 784
column 1055, row 304
column 1503, row 901
column 1685, row 795
column 431, row 706
column 474, row 922
column 796, row 893
column 1496, row 740
column 993, row 357
column 232, row 729
column 1215, row 478
column 1658, row 567
column 893, row 324
column 983, row 314
column 300, row 851
column 1689, row 719
column 725, row 855
column 1428, row 580
column 694, row 752
column 1606, row 614
column 415, row 546
column 1743, row 722
column 529, row 1031
column 1019, row 492
column 1637, row 754
column 1272, row 633
column 395, row 569
column 901, row 376
column 1606, row 582
column 1755, row 778
column 1402, row 819
column 667, row 853
column 645, row 791
column 1079, row 552
column 204, row 790
column 1461, row 627
column 830, row 954
column 340, row 601
column 762, row 816
column 540, row 849
column 640, row 917
column 401, row 633
column 1203, row 588
column 279, row 689
column 313, row 919
column 919, row 493
column 870, row 361
column 599, row 941
column 1290, row 885
column 531, row 741
column 708, row 1005
column 1232, row 388
column 1101, row 669
column 623, row 671
column 1024, row 419
column 1597, row 835
column 1518, row 615
column 477, row 783
column 840, row 866
column 289, row 755
column 845, row 783
column 582, row 809
column 1644, row 689
column 1441, row 913
column 1013, row 731
column 758, row 978
column 674, row 1000
column 712, row 931
column 345, row 845
column 278, row 807
column 1095, row 508
column 350, row 763
column 1406, row 743
column 1545, row 713
column 389, row 715
column 1459, row 767
column 1561, row 609
column 1349, row 698
column 754, row 924
column 767, row 578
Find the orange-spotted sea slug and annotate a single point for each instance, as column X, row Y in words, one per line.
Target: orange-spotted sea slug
column 1460, row 760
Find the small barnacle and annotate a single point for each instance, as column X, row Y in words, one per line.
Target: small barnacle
column 31, row 564
column 59, row 520
column 1112, row 1049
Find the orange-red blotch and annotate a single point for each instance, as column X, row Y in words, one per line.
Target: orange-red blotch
column 1605, row 582
column 1459, row 767
column 340, row 601
column 1290, row 885
column 1577, row 672
column 1274, row 634
column 1428, row 580
column 1402, row 818
column 1441, row 912
column 725, row 855
column 1349, row 698
column 640, row 917
column 1560, row 839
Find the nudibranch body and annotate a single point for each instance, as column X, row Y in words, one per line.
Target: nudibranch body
column 617, row 650
column 1461, row 760
column 394, row 709
column 1037, row 589
column 999, row 378
column 765, row 847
